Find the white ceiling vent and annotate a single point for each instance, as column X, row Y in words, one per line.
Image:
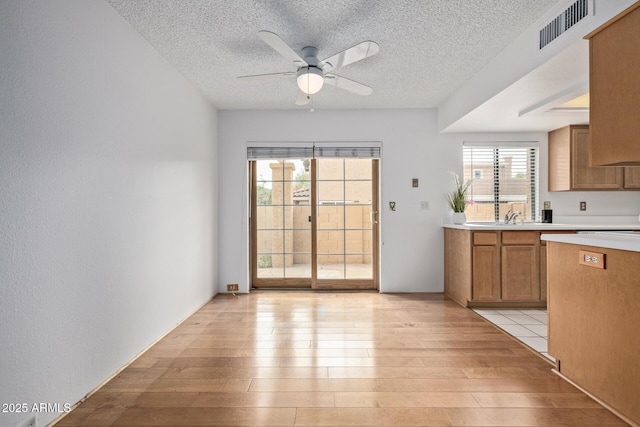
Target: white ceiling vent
column 563, row 22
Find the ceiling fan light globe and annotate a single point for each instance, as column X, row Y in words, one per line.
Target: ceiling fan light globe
column 310, row 80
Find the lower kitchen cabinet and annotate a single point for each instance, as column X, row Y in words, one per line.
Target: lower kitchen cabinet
column 485, row 276
column 520, row 267
column 496, row 268
column 520, row 275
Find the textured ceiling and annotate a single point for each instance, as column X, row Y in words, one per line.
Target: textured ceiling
column 428, row 48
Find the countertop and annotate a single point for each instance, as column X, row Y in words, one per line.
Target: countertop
column 542, row 227
column 609, row 240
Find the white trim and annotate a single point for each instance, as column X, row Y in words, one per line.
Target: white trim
column 501, row 144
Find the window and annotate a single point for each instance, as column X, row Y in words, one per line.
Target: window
column 503, row 177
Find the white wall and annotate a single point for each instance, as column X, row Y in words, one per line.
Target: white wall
column 412, row 239
column 408, row 136
column 107, row 199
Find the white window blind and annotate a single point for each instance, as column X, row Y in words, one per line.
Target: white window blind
column 307, row 150
column 503, row 177
column 347, row 152
column 258, row 153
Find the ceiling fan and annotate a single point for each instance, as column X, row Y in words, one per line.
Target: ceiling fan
column 313, row 73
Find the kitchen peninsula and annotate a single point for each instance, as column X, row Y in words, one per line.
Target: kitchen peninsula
column 498, row 265
column 594, row 313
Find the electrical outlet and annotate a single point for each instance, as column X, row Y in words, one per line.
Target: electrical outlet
column 233, row 287
column 583, row 206
column 31, row 422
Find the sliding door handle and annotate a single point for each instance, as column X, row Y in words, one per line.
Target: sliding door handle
column 374, row 217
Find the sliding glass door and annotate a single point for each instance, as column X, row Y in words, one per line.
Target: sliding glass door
column 314, row 223
column 281, row 223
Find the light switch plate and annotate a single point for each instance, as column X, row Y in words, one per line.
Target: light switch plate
column 414, row 182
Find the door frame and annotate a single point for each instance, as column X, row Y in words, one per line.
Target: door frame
column 313, row 282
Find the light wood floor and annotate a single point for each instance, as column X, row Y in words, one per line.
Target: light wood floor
column 284, row 358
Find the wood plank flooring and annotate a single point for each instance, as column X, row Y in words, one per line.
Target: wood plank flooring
column 294, row 358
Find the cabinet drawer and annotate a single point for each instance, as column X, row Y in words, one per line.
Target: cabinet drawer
column 485, row 238
column 519, row 237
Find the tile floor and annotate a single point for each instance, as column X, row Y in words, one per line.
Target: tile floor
column 527, row 325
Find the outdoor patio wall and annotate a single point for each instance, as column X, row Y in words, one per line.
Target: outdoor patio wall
column 331, row 219
column 107, row 200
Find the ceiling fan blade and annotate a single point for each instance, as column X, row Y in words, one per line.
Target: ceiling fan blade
column 349, row 56
column 347, row 84
column 270, row 76
column 280, row 46
column 302, row 99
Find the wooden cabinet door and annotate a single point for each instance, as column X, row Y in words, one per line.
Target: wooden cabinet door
column 614, row 60
column 632, row 177
column 585, row 177
column 560, row 159
column 486, row 277
column 520, row 273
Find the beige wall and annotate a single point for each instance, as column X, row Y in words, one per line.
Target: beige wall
column 297, row 236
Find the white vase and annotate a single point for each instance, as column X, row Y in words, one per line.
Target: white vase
column 459, row 218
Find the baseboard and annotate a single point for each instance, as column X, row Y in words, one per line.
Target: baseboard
column 505, row 304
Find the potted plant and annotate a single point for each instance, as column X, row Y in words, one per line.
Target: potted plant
column 458, row 200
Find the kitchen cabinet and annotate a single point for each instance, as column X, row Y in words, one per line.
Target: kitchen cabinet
column 632, row 178
column 520, row 266
column 569, row 168
column 457, row 264
column 497, row 268
column 486, row 267
column 614, row 61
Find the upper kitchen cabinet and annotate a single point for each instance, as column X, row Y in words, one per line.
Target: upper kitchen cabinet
column 614, row 61
column 569, row 163
column 632, row 178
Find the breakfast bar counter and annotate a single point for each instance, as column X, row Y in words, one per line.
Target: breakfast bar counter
column 594, row 313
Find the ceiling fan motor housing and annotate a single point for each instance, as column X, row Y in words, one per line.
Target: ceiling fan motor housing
column 310, row 55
